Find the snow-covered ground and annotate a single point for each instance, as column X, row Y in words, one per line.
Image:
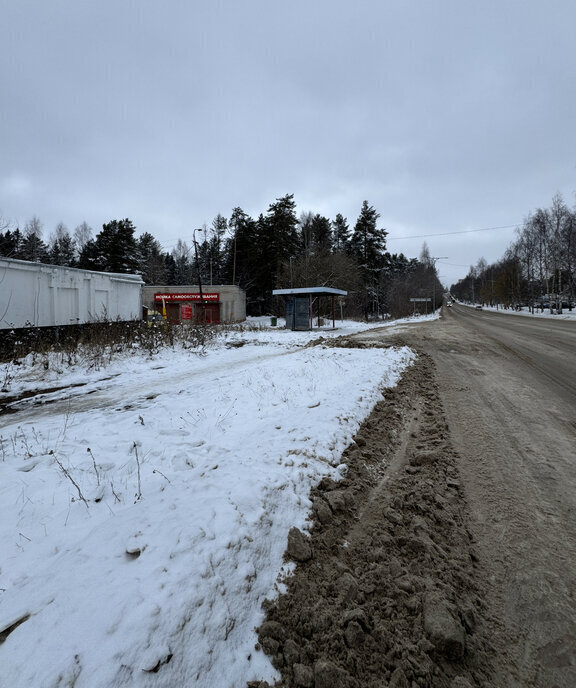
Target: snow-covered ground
column 144, row 513
column 565, row 315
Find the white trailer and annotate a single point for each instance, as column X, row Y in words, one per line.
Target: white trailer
column 39, row 295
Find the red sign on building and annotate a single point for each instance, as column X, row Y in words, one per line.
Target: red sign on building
column 172, row 298
column 185, row 312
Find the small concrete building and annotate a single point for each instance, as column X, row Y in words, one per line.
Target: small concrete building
column 222, row 303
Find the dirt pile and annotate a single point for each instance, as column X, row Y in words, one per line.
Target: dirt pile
column 387, row 591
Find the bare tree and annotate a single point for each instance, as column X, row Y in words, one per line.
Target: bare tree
column 4, row 224
column 305, row 230
column 539, row 267
column 425, row 257
column 33, row 227
column 182, row 265
column 33, row 248
column 82, row 235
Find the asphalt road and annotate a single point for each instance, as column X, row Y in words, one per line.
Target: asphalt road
column 508, row 387
column 546, row 345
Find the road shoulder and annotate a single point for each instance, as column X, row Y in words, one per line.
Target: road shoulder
column 388, row 586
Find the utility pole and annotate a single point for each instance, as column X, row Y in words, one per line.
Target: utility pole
column 492, row 288
column 434, row 259
column 202, row 307
column 234, row 261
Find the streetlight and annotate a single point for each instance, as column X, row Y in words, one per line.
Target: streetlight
column 199, row 277
column 434, row 259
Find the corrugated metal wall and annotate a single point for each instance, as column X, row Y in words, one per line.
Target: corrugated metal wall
column 39, row 295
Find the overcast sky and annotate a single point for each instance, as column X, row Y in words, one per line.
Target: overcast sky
column 447, row 116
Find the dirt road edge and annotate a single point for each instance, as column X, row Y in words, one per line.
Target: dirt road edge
column 387, row 590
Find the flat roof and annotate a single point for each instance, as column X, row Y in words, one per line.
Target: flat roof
column 301, row 291
column 45, row 267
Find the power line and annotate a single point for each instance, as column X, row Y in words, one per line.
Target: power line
column 462, row 231
column 426, row 236
column 454, row 265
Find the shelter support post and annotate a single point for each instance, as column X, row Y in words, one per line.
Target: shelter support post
column 333, row 314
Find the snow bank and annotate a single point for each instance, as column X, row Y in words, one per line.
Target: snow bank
column 144, row 515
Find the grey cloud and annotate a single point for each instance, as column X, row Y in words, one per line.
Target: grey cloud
column 445, row 116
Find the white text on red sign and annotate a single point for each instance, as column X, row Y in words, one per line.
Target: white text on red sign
column 210, row 296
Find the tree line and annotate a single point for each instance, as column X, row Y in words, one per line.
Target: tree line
column 278, row 249
column 537, row 270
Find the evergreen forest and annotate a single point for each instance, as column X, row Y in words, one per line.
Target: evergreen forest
column 278, row 249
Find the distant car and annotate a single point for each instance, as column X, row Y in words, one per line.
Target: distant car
column 478, row 307
column 449, row 304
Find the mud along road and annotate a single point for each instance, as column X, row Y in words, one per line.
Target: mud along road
column 447, row 558
column 508, row 384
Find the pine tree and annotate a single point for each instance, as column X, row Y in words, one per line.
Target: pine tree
column 116, row 248
column 11, row 244
column 62, row 250
column 280, row 228
column 264, row 267
column 169, row 274
column 398, row 265
column 277, row 242
column 88, row 257
column 341, row 233
column 32, row 247
column 242, row 251
column 368, row 243
column 150, row 259
column 216, row 249
column 202, row 259
column 113, row 250
column 321, row 234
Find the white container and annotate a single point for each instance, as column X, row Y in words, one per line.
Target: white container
column 40, row 295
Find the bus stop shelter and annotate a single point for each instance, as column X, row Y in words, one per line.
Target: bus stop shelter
column 300, row 305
